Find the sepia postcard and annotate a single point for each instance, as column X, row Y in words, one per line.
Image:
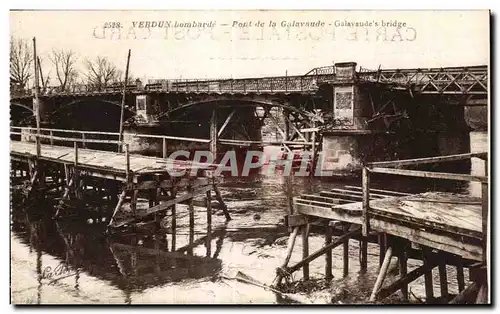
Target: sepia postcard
column 249, row 157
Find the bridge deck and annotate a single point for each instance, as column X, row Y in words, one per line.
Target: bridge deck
column 104, row 161
column 445, row 221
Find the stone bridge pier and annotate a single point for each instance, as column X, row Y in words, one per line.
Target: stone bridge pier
column 375, row 122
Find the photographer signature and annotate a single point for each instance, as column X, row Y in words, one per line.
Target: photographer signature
column 59, row 272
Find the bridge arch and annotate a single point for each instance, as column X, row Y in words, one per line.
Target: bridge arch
column 28, row 108
column 91, row 114
column 246, row 101
column 20, row 114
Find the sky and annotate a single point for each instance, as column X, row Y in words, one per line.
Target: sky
column 232, row 47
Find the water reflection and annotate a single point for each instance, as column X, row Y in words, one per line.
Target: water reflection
column 129, row 262
column 151, row 266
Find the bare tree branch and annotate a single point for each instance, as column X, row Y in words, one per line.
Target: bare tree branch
column 21, row 58
column 64, row 62
column 101, row 73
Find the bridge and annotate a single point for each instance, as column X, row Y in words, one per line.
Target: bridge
column 471, row 80
column 300, row 109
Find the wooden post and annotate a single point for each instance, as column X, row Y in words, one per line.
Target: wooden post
column 429, row 290
column 443, row 281
column 484, row 201
column 123, row 195
column 76, row 179
column 84, row 144
column 133, row 202
column 328, row 253
column 38, row 146
column 460, row 275
column 289, row 251
column 221, row 202
column 213, row 135
column 164, row 148
column 381, row 244
column 191, row 222
column 124, row 95
column 382, row 273
column 37, row 89
column 313, row 148
column 305, row 249
column 466, row 294
column 366, row 201
column 127, row 161
column 208, row 242
column 403, row 268
column 482, row 295
column 51, row 138
column 363, row 253
column 346, row 251
column 173, row 192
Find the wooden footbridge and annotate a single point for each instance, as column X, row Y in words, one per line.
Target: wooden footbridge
column 438, row 228
column 122, row 178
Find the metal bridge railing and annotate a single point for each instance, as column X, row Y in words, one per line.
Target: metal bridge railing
column 451, row 80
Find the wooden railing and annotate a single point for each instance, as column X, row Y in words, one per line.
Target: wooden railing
column 390, row 167
column 85, row 137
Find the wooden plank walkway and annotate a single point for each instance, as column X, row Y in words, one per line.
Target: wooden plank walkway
column 446, row 221
column 104, row 160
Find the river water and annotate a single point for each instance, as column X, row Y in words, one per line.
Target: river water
column 74, row 262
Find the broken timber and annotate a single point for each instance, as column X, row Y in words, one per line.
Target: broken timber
column 133, row 177
column 438, row 228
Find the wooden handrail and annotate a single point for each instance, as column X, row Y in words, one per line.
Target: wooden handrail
column 81, row 132
column 426, row 160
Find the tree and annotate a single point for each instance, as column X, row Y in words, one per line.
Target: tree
column 64, row 61
column 21, row 59
column 101, row 72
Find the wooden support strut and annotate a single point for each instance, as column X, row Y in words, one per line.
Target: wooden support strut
column 191, row 220
column 382, row 274
column 221, row 202
column 322, row 251
column 403, row 268
column 429, row 291
column 328, row 253
column 173, row 194
column 404, row 281
column 443, row 280
column 346, row 251
column 208, row 242
column 289, row 251
column 305, row 249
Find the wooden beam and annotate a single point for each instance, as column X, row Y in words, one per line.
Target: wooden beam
column 322, row 251
column 305, row 250
column 401, row 282
column 484, row 219
column 382, row 273
column 366, row 201
column 429, row 288
column 346, row 251
column 122, row 107
column 429, row 174
column 328, row 253
column 213, row 134
column 218, row 197
column 296, row 130
column 425, row 160
column 228, row 119
column 403, row 267
column 208, row 242
column 466, row 295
